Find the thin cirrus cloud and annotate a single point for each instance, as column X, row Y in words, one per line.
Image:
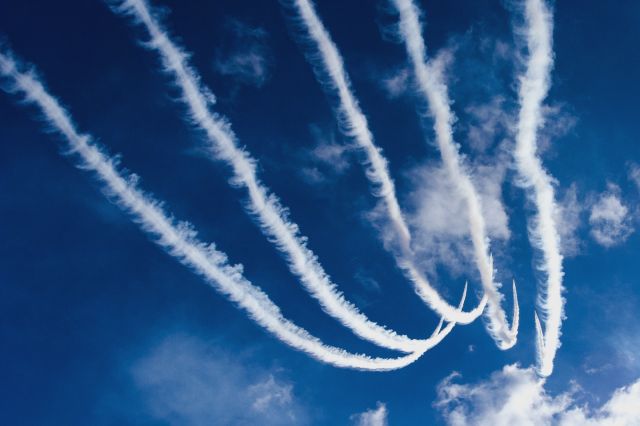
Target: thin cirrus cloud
column 395, row 83
column 634, row 174
column 326, row 161
column 246, row 55
column 487, row 122
column 569, row 219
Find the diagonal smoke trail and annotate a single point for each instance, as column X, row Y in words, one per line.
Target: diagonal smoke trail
column 434, row 90
column 534, row 85
column 180, row 240
column 329, row 68
column 263, row 204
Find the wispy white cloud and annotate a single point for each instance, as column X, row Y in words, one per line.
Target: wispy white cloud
column 327, row 160
column 569, row 218
column 516, row 396
column 331, row 154
column 486, row 122
column 610, row 218
column 559, row 121
column 395, row 83
column 186, row 382
column 244, row 54
column 439, row 220
column 268, row 394
column 633, row 173
column 369, row 283
column 372, row 417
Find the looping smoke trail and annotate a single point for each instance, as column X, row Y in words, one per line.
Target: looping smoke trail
column 180, row 240
column 434, row 90
column 271, row 215
column 543, row 234
column 330, row 70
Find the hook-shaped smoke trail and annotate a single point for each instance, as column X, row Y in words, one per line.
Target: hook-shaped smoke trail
column 329, row 67
column 180, row 240
column 266, row 207
column 534, row 86
column 432, row 87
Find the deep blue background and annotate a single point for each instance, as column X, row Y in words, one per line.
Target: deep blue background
column 83, row 293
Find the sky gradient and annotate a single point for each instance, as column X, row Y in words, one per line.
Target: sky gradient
column 100, row 326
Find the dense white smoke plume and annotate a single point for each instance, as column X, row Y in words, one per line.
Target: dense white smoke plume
column 331, row 73
column 433, row 89
column 516, row 396
column 271, row 215
column 543, row 234
column 180, row 240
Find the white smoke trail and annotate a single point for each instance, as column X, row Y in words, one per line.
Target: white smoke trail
column 265, row 205
column 434, row 90
column 354, row 124
column 180, row 240
column 534, row 85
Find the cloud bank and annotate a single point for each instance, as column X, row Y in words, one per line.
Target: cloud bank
column 516, row 396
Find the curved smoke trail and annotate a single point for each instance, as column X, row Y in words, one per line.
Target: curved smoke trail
column 434, row 90
column 180, row 240
column 263, row 204
column 332, row 75
column 534, row 85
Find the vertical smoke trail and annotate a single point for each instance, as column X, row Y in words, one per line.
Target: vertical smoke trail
column 434, row 90
column 534, row 85
column 265, row 205
column 180, row 240
column 354, row 124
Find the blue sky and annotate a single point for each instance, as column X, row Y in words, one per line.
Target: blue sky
column 100, row 326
